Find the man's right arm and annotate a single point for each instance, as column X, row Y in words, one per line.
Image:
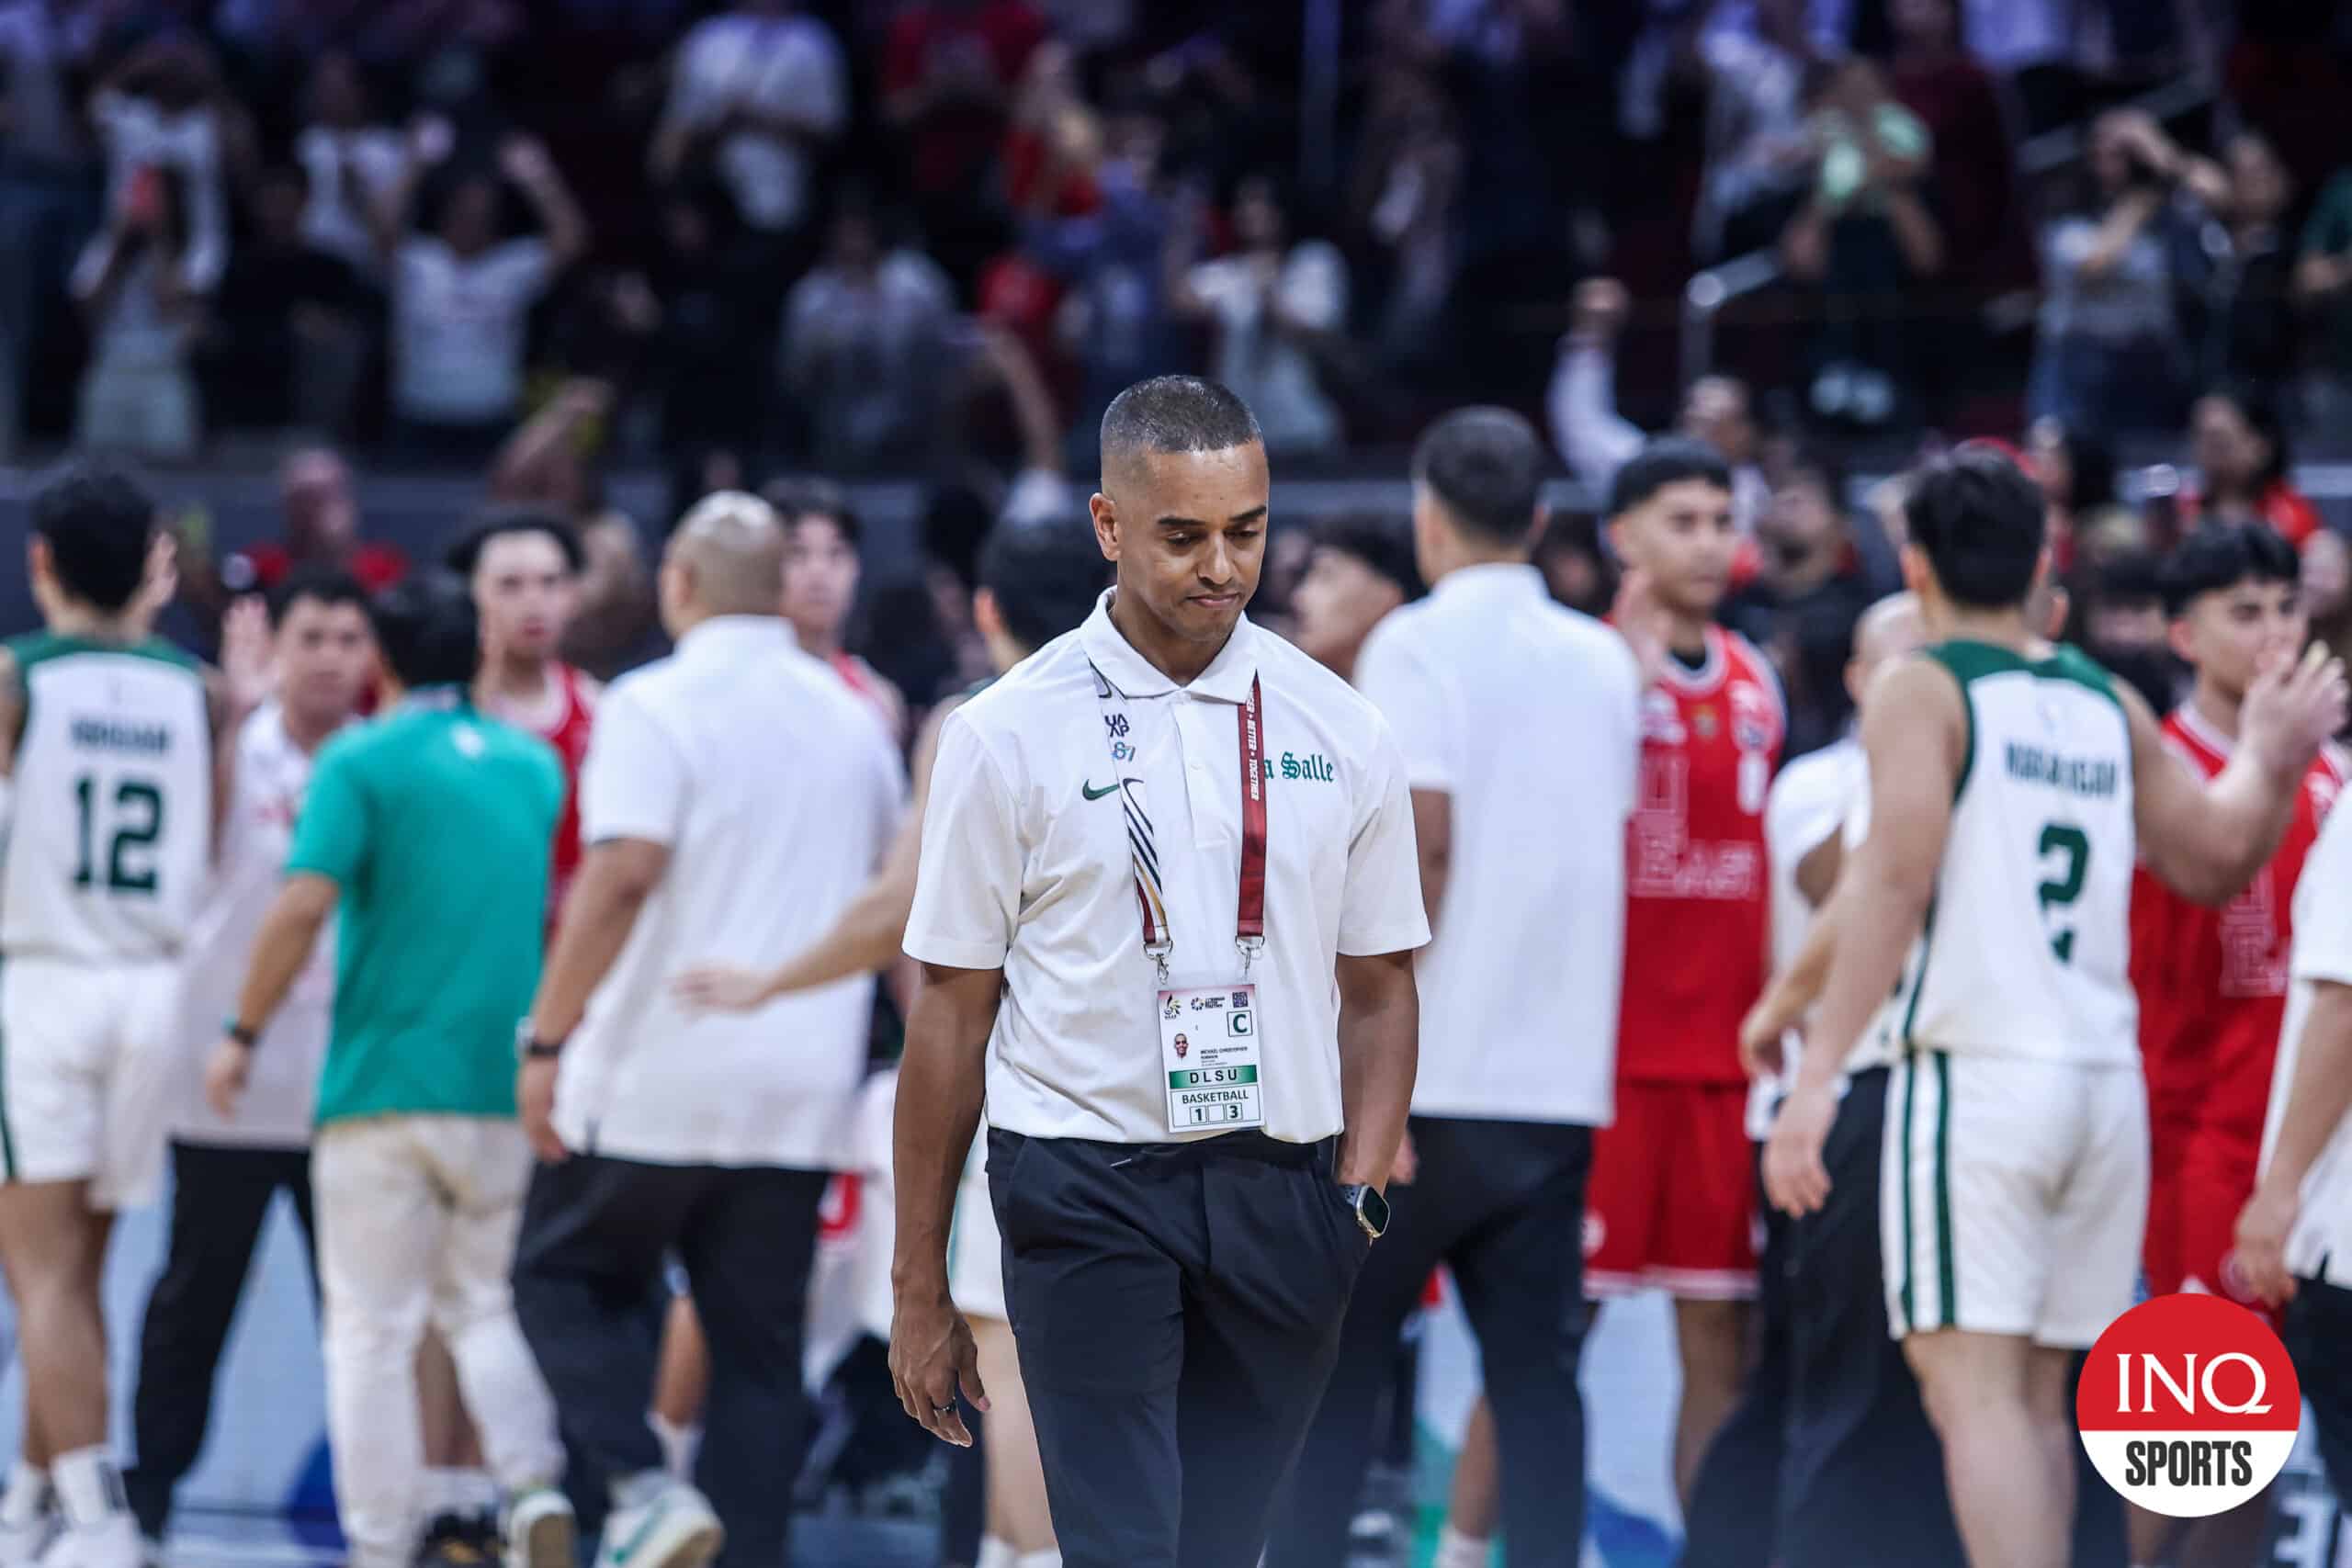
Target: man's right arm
column 941, row 1080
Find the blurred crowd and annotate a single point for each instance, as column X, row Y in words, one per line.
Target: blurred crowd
column 825, row 230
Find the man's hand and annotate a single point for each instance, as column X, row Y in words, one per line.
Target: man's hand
column 2293, row 708
column 1760, row 1051
column 535, row 1103
column 720, row 988
column 931, row 1354
column 431, row 139
column 1794, row 1178
column 225, row 1072
column 1407, row 1163
column 1601, row 307
column 524, row 161
column 248, row 659
column 2263, row 1228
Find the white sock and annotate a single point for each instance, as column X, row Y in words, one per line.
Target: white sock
column 27, row 1496
column 89, row 1488
column 679, row 1444
column 996, row 1553
column 1049, row 1558
column 448, row 1490
column 1455, row 1550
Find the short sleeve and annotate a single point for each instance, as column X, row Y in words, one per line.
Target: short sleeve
column 1381, row 909
column 1801, row 812
column 519, row 269
column 1315, row 286
column 967, row 890
column 633, row 784
column 2323, row 950
column 330, row 834
column 1397, row 679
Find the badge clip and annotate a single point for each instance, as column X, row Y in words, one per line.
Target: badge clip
column 1158, row 953
column 1250, row 946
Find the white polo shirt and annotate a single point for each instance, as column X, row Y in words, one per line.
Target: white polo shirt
column 2321, row 1244
column 1819, row 794
column 265, row 798
column 1024, row 870
column 1527, row 715
column 777, row 794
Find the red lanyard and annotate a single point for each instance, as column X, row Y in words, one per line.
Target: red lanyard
column 1143, row 844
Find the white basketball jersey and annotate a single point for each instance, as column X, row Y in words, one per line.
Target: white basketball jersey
column 2025, row 947
column 112, row 819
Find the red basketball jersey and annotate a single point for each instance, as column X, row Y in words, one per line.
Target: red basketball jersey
column 2212, row 983
column 1696, row 915
column 568, row 736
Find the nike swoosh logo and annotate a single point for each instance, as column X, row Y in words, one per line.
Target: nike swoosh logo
column 1090, row 792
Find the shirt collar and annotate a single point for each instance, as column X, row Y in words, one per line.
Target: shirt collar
column 724, row 634
column 1501, row 577
column 1226, row 679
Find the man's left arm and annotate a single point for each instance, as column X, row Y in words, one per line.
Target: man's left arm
column 1381, row 922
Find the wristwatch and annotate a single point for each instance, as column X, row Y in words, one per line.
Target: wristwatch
column 243, row 1033
column 1372, row 1209
column 529, row 1047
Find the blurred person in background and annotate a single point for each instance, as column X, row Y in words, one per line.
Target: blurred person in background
column 2120, row 620
column 821, row 570
column 2107, row 353
column 2238, row 441
column 1867, row 236
column 226, row 1174
column 1581, row 408
column 1403, row 200
column 2076, row 472
column 762, row 91
column 352, row 158
column 2327, row 590
column 1574, row 566
column 1972, row 167
column 287, row 339
column 2322, row 288
column 320, row 513
column 1359, row 571
column 949, row 70
column 708, row 361
column 1758, row 154
column 1276, row 302
column 461, row 295
column 2252, row 331
column 864, row 335
column 1811, row 588
column 135, row 284
column 164, row 108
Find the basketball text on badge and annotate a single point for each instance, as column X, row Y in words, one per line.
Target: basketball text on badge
column 2189, row 1405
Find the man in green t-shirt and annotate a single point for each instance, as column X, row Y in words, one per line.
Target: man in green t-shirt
column 427, row 834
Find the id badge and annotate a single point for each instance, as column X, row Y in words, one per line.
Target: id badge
column 1209, row 1051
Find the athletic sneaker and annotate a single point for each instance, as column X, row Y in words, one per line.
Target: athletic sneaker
column 540, row 1530
column 28, row 1517
column 112, row 1543
column 671, row 1526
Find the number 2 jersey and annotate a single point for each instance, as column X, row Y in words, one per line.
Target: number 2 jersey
column 111, row 820
column 1697, row 914
column 2025, row 947
column 2212, row 983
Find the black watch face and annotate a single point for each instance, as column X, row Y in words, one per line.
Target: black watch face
column 1374, row 1209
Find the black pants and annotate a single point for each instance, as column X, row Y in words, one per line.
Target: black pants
column 1863, row 1479
column 1736, row 1496
column 595, row 1232
column 1501, row 1203
column 2319, row 1337
column 219, row 1197
column 1176, row 1308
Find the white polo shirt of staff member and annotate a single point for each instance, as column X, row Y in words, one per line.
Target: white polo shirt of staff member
column 736, row 797
column 1166, row 823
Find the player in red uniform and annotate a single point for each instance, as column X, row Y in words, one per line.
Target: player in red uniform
column 1672, row 1202
column 525, row 569
column 2212, row 983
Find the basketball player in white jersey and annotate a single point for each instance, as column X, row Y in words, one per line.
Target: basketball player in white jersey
column 107, row 753
column 2013, row 787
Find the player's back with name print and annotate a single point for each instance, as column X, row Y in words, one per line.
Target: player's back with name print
column 2027, row 944
column 111, row 817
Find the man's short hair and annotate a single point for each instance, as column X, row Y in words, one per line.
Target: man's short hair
column 1176, row 414
column 1046, row 577
column 1486, row 467
column 2222, row 555
column 99, row 522
column 464, row 554
column 1669, row 459
column 807, row 496
column 1820, row 466
column 427, row 629
column 1382, row 544
column 1979, row 521
column 328, row 585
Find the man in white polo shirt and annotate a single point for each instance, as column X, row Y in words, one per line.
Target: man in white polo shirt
column 735, row 798
column 2294, row 1239
column 1166, row 824
column 1520, row 721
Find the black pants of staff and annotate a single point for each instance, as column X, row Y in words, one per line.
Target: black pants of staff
column 1736, row 1496
column 219, row 1197
column 1501, row 1203
column 1176, row 1308
column 2318, row 1333
column 596, row 1233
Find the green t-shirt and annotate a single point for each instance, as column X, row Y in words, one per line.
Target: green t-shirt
column 437, row 824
